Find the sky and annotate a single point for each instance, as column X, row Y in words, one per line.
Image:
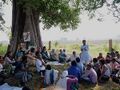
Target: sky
column 87, row 29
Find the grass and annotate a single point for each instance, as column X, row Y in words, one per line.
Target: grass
column 36, row 81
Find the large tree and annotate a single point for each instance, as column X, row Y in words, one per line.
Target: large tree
column 27, row 14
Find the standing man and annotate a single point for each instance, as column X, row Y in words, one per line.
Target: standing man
column 84, row 55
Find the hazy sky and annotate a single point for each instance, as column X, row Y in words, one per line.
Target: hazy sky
column 87, row 29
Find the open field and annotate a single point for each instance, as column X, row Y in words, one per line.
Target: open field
column 94, row 47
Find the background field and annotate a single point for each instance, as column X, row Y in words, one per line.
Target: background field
column 94, row 46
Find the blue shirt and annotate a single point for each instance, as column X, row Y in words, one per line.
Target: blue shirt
column 80, row 66
column 74, row 70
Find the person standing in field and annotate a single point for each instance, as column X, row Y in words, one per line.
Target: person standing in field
column 84, row 55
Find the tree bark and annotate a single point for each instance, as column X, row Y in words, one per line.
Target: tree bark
column 24, row 20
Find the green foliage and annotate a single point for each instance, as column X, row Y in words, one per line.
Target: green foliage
column 3, row 49
column 91, row 5
column 63, row 13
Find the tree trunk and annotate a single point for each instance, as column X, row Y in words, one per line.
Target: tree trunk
column 24, row 20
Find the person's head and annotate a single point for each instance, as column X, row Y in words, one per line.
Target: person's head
column 107, row 61
column 44, row 48
column 48, row 67
column 9, row 54
column 38, row 55
column 118, row 56
column 116, row 52
column 102, row 62
column 64, row 50
column 89, row 66
column 32, row 50
column 73, row 63
column 19, row 48
column 53, row 50
column 24, row 59
column 38, row 49
column 84, row 42
column 100, row 55
column 112, row 50
column 60, row 50
column 74, row 53
column 77, row 59
column 113, row 60
column 95, row 60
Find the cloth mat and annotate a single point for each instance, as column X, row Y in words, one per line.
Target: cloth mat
column 7, row 87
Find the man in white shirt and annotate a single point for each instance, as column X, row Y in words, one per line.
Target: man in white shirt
column 73, row 56
column 39, row 66
column 84, row 56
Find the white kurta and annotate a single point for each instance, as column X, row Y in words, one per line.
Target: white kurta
column 84, row 56
column 39, row 65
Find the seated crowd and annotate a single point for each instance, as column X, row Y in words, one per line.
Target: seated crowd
column 99, row 70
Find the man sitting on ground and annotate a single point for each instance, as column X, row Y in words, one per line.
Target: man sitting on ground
column 62, row 56
column 80, row 65
column 74, row 70
column 90, row 76
column 73, row 56
column 44, row 54
column 53, row 55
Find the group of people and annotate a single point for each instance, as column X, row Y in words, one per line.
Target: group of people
column 81, row 68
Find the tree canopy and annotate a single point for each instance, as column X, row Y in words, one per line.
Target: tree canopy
column 65, row 13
